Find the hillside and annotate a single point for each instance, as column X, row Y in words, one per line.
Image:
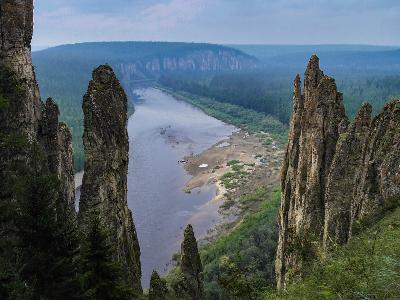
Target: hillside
column 366, row 268
column 63, row 71
column 338, row 58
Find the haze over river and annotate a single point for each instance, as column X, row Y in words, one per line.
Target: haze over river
column 162, row 132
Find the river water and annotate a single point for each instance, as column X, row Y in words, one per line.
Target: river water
column 162, row 132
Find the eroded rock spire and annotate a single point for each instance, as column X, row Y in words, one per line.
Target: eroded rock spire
column 311, row 146
column 104, row 188
column 336, row 177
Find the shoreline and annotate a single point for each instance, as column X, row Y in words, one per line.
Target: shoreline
column 257, row 155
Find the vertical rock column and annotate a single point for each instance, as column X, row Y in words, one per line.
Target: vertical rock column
column 312, row 142
column 18, row 82
column 56, row 139
column 342, row 178
column 24, row 120
column 104, row 188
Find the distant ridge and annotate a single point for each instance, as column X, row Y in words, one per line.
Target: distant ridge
column 334, row 57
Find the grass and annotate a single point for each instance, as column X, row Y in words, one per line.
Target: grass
column 233, row 179
column 248, row 250
column 367, row 268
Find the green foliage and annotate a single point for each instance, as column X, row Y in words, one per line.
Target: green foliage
column 48, row 241
column 233, row 179
column 242, row 262
column 102, row 277
column 158, row 287
column 367, row 268
column 246, row 119
column 259, row 195
column 3, row 103
column 233, row 162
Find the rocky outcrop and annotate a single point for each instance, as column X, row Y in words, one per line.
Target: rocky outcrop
column 24, row 107
column 207, row 60
column 311, row 147
column 191, row 266
column 377, row 185
column 24, row 120
column 335, row 176
column 57, row 141
column 104, row 188
column 345, row 166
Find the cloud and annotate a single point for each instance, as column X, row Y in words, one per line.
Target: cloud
column 172, row 13
column 218, row 21
column 70, row 23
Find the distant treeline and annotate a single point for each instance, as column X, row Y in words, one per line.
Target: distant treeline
column 271, row 94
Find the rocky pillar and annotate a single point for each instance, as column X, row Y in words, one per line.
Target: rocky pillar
column 104, row 187
column 19, row 87
column 312, row 142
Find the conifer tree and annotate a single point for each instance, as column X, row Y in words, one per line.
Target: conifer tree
column 102, row 277
column 191, row 265
column 158, row 287
column 47, row 241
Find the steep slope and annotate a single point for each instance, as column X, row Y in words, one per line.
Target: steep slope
column 365, row 268
column 104, row 189
column 336, row 178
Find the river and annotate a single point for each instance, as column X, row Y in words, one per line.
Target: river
column 162, row 132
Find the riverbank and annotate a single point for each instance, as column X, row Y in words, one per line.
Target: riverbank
column 238, row 166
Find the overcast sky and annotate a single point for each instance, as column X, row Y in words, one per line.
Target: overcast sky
column 219, row 21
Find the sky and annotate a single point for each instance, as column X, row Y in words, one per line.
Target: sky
column 375, row 22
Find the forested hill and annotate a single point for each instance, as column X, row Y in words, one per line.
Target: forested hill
column 63, row 71
column 336, row 58
column 144, row 60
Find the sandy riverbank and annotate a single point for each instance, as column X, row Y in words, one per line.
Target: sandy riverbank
column 258, row 154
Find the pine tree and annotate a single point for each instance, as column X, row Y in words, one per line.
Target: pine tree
column 102, row 277
column 158, row 287
column 191, row 266
column 47, row 241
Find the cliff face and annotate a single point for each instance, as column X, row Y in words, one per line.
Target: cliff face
column 104, row 188
column 23, row 117
column 57, row 141
column 335, row 176
column 16, row 25
column 200, row 61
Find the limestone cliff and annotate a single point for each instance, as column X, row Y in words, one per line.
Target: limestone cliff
column 205, row 60
column 335, row 177
column 104, row 188
column 23, row 117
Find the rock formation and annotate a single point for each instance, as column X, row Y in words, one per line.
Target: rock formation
column 57, row 140
column 23, row 117
column 158, row 287
column 104, row 188
column 24, row 107
column 191, row 266
column 335, row 176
